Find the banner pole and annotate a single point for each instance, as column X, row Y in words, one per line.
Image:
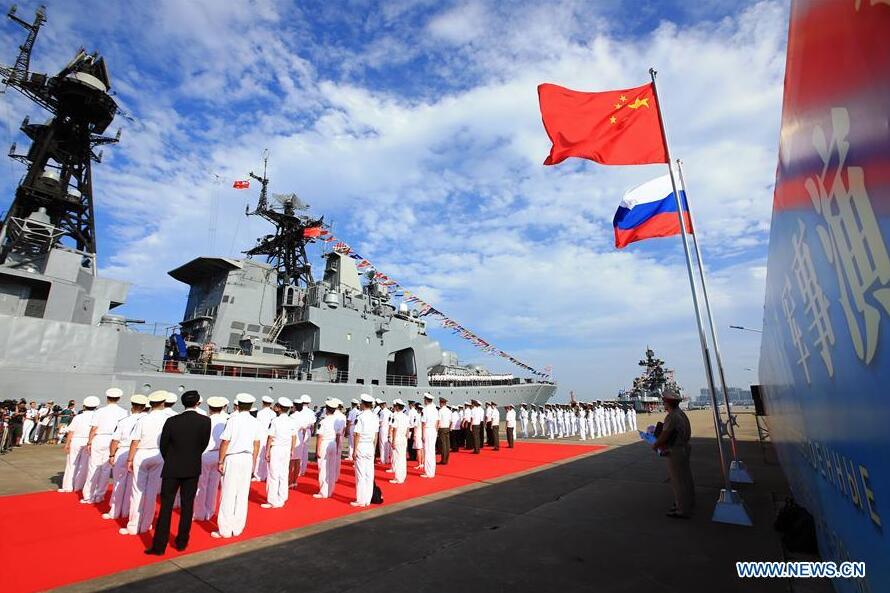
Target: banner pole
column 730, row 508
column 737, row 470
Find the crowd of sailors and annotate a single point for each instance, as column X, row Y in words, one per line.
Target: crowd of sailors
column 271, row 440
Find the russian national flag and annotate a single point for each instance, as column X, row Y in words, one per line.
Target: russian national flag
column 648, row 211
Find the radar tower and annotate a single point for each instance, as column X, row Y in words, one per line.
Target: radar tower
column 55, row 197
column 286, row 248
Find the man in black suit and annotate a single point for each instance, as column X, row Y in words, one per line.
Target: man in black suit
column 183, row 440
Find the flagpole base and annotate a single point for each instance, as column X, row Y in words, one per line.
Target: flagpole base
column 731, row 509
column 738, row 473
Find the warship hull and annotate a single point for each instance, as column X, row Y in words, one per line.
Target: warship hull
column 64, row 385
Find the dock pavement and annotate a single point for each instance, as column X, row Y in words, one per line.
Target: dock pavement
column 594, row 523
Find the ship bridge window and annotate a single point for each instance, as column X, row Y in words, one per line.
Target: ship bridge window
column 253, row 328
column 360, row 381
column 375, row 381
column 237, row 325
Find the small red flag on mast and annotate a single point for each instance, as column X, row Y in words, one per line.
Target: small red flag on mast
column 241, row 184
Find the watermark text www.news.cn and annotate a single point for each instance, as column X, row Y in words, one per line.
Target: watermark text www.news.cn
column 802, row 570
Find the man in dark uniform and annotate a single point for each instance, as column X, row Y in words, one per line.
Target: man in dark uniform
column 183, row 440
column 674, row 441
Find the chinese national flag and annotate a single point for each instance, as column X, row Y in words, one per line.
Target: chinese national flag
column 239, row 184
column 612, row 128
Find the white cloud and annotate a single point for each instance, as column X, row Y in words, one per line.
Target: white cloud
column 443, row 187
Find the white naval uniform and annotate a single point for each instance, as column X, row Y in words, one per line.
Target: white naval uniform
column 77, row 460
column 582, row 424
column 208, row 484
column 351, row 415
column 104, row 421
column 414, row 422
column 242, row 431
column 29, row 424
column 367, row 426
column 632, row 416
column 282, row 431
column 122, row 489
column 307, row 421
column 328, row 454
column 430, row 420
column 147, row 466
column 340, row 427
column 523, row 422
column 261, row 468
column 510, row 420
column 385, row 446
column 399, row 446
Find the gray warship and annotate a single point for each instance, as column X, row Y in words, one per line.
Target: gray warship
column 262, row 324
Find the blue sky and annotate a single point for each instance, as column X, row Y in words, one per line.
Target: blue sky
column 413, row 126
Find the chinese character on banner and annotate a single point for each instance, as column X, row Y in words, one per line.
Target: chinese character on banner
column 814, row 299
column 851, row 237
column 788, row 306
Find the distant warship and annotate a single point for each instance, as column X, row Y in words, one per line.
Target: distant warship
column 264, row 326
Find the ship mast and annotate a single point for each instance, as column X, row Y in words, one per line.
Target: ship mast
column 55, row 198
column 286, row 248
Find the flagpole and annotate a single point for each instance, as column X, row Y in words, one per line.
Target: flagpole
column 737, row 470
column 729, row 507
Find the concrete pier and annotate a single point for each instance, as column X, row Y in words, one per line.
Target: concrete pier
column 591, row 524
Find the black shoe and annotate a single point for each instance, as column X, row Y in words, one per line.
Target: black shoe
column 179, row 547
column 153, row 552
column 676, row 515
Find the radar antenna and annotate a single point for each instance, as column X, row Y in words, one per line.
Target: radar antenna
column 56, row 194
column 286, row 248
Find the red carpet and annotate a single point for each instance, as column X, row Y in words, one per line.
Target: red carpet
column 51, row 540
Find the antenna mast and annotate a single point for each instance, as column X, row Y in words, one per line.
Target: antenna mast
column 55, row 197
column 286, row 248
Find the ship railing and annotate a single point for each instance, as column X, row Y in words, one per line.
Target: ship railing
column 223, row 370
column 471, row 383
column 402, row 380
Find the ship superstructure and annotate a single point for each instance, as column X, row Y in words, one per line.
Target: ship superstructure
column 262, row 323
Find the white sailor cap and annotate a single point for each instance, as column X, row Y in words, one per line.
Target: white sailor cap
column 305, row 399
column 428, row 395
column 333, row 402
column 268, row 400
column 138, row 400
column 114, row 393
column 245, row 398
column 285, row 402
column 354, row 400
column 158, row 396
column 91, row 401
column 366, row 398
column 217, row 402
column 379, row 401
column 398, row 402
column 171, row 398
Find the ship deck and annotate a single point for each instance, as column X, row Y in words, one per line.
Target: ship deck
column 593, row 522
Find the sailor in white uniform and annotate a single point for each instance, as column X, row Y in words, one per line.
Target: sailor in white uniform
column 77, row 453
column 328, row 445
column 632, row 418
column 367, row 428
column 582, row 423
column 239, row 447
column 415, row 424
column 145, row 463
column 265, row 417
column 169, row 402
column 208, row 484
column 351, row 416
column 307, row 424
column 281, row 440
column 118, row 454
column 398, row 432
column 523, row 420
column 101, row 427
column 384, row 413
column 430, row 428
column 510, row 425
